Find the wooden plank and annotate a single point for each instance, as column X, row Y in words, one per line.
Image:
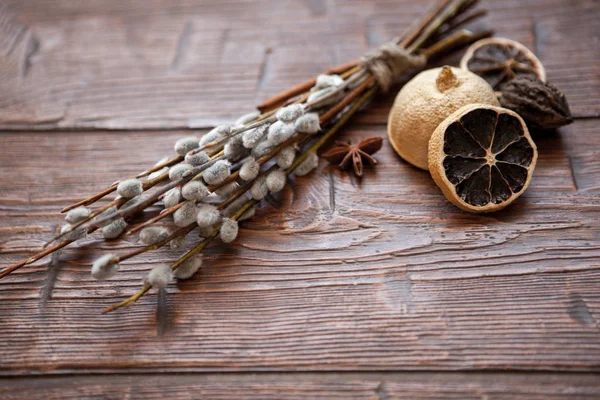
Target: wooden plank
column 382, row 274
column 382, row 386
column 135, row 65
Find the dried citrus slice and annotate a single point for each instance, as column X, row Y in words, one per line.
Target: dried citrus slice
column 482, row 157
column 499, row 61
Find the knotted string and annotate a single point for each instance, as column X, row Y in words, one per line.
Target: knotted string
column 389, row 62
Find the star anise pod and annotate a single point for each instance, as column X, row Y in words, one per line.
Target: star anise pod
column 346, row 154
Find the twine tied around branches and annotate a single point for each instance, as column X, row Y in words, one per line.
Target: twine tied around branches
column 389, row 62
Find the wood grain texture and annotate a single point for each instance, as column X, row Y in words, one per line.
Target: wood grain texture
column 373, row 386
column 382, row 274
column 143, row 64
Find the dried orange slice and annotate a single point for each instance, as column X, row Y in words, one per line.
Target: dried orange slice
column 482, row 157
column 499, row 61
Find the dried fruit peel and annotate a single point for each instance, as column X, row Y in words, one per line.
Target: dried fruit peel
column 426, row 101
column 482, row 165
column 500, row 60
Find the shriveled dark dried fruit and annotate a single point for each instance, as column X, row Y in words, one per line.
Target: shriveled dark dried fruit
column 499, row 61
column 482, row 157
column 539, row 103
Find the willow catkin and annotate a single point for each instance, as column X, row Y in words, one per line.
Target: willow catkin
column 259, row 189
column 249, row 169
column 286, row 157
column 129, row 188
column 179, row 171
column 104, row 268
column 186, row 214
column 178, row 242
column 246, row 119
column 235, row 205
column 194, row 191
column 153, row 234
column 208, row 215
column 160, row 276
column 77, row 214
column 248, row 214
column 311, row 162
column 262, row 149
column 227, row 189
column 189, row 267
column 205, row 232
column 218, row 133
column 251, row 138
column 172, row 197
column 319, row 94
column 234, row 150
column 308, row 123
column 217, row 172
column 229, row 230
column 186, row 144
column 158, row 173
column 290, row 113
column 325, row 81
column 196, row 157
column 279, row 132
column 276, row 180
column 114, row 229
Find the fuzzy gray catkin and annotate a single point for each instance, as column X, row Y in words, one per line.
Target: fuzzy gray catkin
column 229, row 230
column 276, row 180
column 324, row 81
column 129, row 188
column 179, row 171
column 186, row 214
column 251, row 138
column 131, row 203
column 194, row 191
column 259, row 189
column 153, row 234
column 172, row 197
column 262, row 149
column 319, row 94
column 205, row 232
column 216, row 134
column 286, row 157
column 280, row 132
column 235, row 205
column 208, row 215
column 158, row 173
column 234, row 150
column 178, row 242
column 77, row 214
column 217, row 172
column 189, row 267
column 186, row 144
column 249, row 169
column 246, row 119
column 290, row 113
column 103, row 268
column 160, row 276
column 248, row 214
column 114, row 229
column 196, row 157
column 311, row 162
column 227, row 189
column 308, row 123
column 65, row 229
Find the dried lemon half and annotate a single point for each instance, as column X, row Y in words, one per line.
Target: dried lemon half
column 482, row 157
column 500, row 60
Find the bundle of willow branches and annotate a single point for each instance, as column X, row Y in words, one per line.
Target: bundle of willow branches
column 216, row 181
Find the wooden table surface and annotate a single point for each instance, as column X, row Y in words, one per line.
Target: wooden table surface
column 338, row 288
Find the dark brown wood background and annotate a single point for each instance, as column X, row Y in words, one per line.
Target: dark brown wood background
column 338, row 289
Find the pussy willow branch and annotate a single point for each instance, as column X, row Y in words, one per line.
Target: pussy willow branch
column 443, row 17
column 313, row 148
